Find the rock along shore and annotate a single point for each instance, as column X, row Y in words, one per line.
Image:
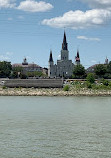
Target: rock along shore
column 52, row 92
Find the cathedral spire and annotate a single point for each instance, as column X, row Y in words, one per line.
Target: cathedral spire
column 77, row 58
column 64, row 44
column 78, row 54
column 50, row 58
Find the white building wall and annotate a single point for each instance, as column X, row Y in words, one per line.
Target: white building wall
column 52, row 70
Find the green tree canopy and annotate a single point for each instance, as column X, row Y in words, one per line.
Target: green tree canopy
column 79, row 71
column 100, row 70
column 109, row 67
column 16, row 71
column 5, row 69
column 35, row 74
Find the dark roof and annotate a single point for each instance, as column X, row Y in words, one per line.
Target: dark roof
column 31, row 65
column 91, row 68
column 50, row 58
column 77, row 54
column 64, row 44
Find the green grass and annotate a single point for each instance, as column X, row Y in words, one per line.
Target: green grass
column 101, row 85
column 66, row 88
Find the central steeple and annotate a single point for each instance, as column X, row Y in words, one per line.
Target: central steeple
column 64, row 44
column 50, row 58
column 64, row 51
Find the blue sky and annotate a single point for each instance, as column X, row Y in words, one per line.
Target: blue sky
column 30, row 28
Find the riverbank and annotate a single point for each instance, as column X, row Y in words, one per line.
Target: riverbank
column 52, row 92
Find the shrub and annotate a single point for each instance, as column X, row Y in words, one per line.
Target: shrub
column 23, row 76
column 66, row 88
column 110, row 84
column 104, row 82
column 4, row 87
column 90, row 78
column 89, row 85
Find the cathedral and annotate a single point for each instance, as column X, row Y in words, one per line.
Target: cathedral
column 64, row 66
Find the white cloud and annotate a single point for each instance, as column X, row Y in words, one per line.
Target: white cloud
column 93, row 61
column 34, row 6
column 21, row 17
column 28, row 57
column 27, row 5
column 10, row 19
column 6, row 56
column 88, row 38
column 9, row 53
column 79, row 19
column 7, row 3
column 69, row 0
column 98, row 3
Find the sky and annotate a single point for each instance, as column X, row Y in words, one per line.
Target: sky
column 31, row 28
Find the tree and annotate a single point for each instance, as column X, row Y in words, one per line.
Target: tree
column 100, row 70
column 35, row 74
column 5, row 69
column 16, row 71
column 23, row 76
column 109, row 67
column 79, row 71
column 90, row 78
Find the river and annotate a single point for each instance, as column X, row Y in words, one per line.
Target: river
column 55, row 127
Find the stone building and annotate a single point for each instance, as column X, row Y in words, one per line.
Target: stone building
column 30, row 67
column 64, row 66
column 91, row 68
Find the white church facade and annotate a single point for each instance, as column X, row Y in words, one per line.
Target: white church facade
column 64, row 66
